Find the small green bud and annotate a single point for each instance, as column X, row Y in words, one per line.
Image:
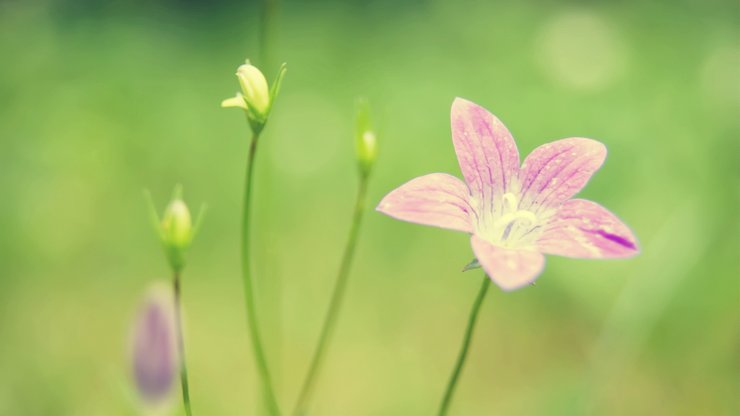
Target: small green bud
column 367, row 150
column 254, row 89
column 177, row 227
column 365, row 140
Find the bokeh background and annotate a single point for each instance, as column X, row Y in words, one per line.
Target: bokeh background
column 100, row 100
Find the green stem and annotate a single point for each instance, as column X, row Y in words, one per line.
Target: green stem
column 332, row 313
column 272, row 307
column 252, row 321
column 466, row 344
column 181, row 346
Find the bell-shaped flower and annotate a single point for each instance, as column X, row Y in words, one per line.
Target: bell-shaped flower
column 515, row 214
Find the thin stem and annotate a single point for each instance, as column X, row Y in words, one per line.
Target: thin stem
column 462, row 355
column 332, row 313
column 272, row 307
column 251, row 310
column 181, row 346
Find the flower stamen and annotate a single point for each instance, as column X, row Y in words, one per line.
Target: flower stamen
column 516, row 216
column 511, row 202
column 525, row 218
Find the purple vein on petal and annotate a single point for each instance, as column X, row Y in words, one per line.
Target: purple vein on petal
column 489, row 129
column 564, row 166
column 541, row 167
column 565, row 182
column 468, row 158
column 483, row 131
column 615, row 238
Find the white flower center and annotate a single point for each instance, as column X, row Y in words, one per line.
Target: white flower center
column 510, row 226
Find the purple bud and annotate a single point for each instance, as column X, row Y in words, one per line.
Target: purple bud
column 154, row 352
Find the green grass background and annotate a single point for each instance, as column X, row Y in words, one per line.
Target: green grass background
column 101, row 100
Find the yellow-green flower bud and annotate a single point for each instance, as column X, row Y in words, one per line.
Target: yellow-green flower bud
column 176, row 229
column 254, row 89
column 177, row 226
column 257, row 96
column 367, row 150
column 366, row 143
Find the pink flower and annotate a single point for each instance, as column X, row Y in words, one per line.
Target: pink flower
column 514, row 214
column 154, row 353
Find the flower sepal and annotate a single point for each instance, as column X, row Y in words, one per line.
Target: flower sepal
column 474, row 264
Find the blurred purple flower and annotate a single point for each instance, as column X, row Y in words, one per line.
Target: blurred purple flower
column 515, row 214
column 154, row 351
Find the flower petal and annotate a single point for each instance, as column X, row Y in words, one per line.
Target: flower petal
column 556, row 171
column 585, row 229
column 509, row 269
column 437, row 199
column 488, row 156
column 236, row 101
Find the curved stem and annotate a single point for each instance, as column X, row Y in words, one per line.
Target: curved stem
column 181, row 346
column 272, row 307
column 462, row 355
column 251, row 310
column 332, row 313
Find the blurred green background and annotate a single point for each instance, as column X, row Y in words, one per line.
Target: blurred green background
column 99, row 100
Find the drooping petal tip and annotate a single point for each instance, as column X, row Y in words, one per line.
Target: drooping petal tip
column 510, row 269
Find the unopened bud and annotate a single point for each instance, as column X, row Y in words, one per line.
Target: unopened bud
column 257, row 96
column 176, row 229
column 367, row 150
column 365, row 140
column 254, row 88
column 154, row 354
column 177, row 226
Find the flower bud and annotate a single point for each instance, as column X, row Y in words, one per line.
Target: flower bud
column 365, row 140
column 153, row 349
column 367, row 151
column 177, row 227
column 254, row 89
column 257, row 97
